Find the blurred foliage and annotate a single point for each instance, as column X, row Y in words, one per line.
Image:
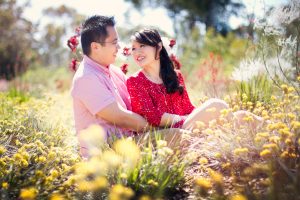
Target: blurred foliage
column 16, row 45
column 53, row 53
column 258, row 89
column 214, row 14
column 279, row 39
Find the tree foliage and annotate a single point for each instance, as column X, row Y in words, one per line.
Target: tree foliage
column 16, row 43
column 53, row 35
column 214, row 13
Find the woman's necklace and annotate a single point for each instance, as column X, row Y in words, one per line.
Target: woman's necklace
column 160, row 88
column 156, row 80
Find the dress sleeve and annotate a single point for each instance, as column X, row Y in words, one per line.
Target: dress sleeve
column 189, row 107
column 142, row 103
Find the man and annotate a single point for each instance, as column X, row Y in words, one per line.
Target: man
column 98, row 90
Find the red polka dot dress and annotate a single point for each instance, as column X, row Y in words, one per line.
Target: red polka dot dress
column 151, row 100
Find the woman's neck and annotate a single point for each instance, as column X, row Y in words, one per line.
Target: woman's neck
column 153, row 71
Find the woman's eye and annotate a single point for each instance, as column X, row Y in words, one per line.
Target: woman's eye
column 132, row 49
column 142, row 45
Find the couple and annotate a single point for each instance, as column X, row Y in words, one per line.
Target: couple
column 155, row 96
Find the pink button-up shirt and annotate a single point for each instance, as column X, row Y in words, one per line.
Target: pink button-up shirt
column 94, row 87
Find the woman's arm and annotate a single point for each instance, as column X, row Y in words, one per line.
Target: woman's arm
column 142, row 104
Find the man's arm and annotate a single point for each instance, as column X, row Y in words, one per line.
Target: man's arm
column 115, row 114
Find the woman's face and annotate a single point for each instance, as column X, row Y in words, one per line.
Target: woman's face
column 143, row 55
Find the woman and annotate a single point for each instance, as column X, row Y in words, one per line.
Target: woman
column 158, row 91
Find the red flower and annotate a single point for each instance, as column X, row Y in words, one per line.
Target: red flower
column 72, row 43
column 175, row 61
column 73, row 65
column 126, row 51
column 124, row 68
column 172, row 42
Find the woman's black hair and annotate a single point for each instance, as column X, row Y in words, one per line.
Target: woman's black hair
column 167, row 72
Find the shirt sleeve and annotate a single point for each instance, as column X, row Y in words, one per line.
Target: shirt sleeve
column 189, row 107
column 93, row 93
column 142, row 103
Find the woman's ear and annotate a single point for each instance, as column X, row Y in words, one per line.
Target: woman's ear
column 158, row 49
column 159, row 46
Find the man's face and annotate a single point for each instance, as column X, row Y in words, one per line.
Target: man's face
column 106, row 52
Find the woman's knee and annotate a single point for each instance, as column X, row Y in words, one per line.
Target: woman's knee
column 217, row 103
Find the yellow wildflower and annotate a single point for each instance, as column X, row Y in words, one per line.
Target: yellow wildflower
column 225, row 112
column 196, row 130
column 92, row 185
column 244, row 97
column 263, row 134
column 123, row 175
column 216, row 176
column 288, row 141
column 265, row 153
column 120, row 192
column 51, row 155
column 41, row 159
column 57, row 197
column 284, row 132
column 2, row 149
column 128, row 149
column 291, row 116
column 291, row 89
column 238, row 197
column 18, row 143
column 24, row 163
column 239, row 151
column 284, row 154
column 161, row 143
column 39, row 173
column 218, row 155
column 226, row 165
column 203, row 183
column 54, row 173
column 5, row 185
column 28, row 194
column 111, row 158
column 249, row 104
column 235, row 108
column 295, row 125
column 258, row 104
column 203, row 160
column 145, row 197
column 284, row 87
column 152, row 182
column 274, row 139
column 208, row 131
column 270, row 146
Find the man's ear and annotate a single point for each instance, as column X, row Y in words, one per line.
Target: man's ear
column 95, row 45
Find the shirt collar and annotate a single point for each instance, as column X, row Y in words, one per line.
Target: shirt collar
column 96, row 65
